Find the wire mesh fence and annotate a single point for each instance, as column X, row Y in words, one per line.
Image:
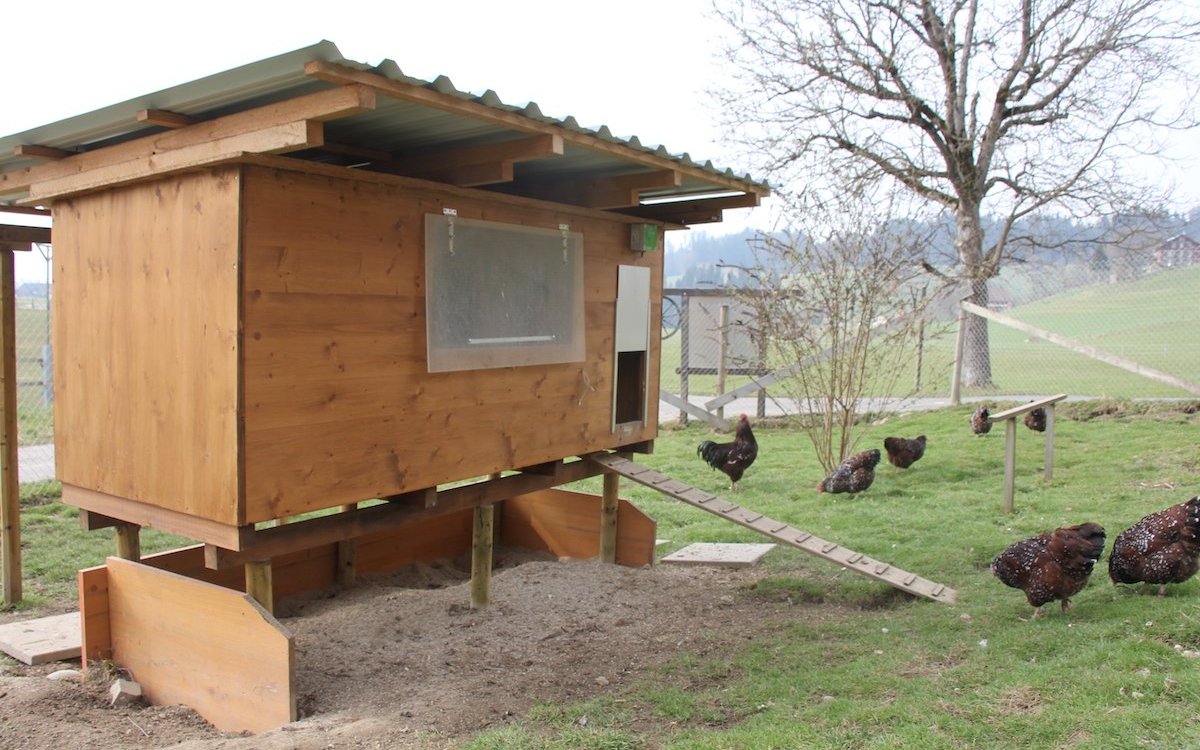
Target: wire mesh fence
column 35, row 386
column 1106, row 328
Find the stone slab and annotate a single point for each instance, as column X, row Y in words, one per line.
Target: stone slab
column 42, row 640
column 728, row 555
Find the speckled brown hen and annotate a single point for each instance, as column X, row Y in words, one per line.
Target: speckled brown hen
column 853, row 475
column 1053, row 565
column 1036, row 419
column 1162, row 548
column 979, row 421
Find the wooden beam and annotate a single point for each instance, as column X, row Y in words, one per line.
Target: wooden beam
column 404, row 91
column 165, row 119
column 605, row 193
column 320, row 107
column 272, row 542
column 698, row 211
column 358, row 152
column 277, row 139
column 10, row 487
column 35, row 151
column 144, row 514
column 17, row 233
column 475, row 164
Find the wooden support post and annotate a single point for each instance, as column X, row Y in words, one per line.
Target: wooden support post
column 10, row 484
column 1010, row 461
column 347, row 556
column 1049, row 441
column 129, row 541
column 609, row 503
column 258, row 583
column 684, row 356
column 959, row 345
column 722, row 354
column 481, row 556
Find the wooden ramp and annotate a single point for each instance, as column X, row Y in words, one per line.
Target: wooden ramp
column 777, row 530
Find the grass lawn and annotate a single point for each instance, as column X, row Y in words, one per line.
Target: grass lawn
column 878, row 669
column 864, row 666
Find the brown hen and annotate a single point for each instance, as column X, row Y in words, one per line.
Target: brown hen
column 1036, row 419
column 904, row 452
column 979, row 421
column 1162, row 548
column 853, row 475
column 1053, row 565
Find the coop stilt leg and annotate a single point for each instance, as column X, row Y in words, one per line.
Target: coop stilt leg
column 347, row 556
column 608, row 518
column 129, row 541
column 258, row 583
column 1049, row 442
column 1010, row 461
column 481, row 556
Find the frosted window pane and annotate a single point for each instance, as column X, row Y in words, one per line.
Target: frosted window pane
column 501, row 295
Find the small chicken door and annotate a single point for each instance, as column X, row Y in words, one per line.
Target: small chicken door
column 632, row 348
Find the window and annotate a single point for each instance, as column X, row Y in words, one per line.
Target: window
column 501, row 295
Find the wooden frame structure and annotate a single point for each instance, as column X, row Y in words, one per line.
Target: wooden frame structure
column 240, row 309
column 1009, row 418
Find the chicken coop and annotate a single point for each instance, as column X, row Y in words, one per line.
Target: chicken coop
column 318, row 316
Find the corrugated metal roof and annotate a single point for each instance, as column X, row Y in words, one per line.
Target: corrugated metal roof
column 395, row 125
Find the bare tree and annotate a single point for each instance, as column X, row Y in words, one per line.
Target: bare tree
column 984, row 109
column 838, row 301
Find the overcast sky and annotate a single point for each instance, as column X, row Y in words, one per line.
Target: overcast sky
column 642, row 67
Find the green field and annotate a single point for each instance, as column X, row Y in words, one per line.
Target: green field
column 1153, row 321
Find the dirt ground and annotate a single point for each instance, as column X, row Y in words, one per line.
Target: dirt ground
column 401, row 661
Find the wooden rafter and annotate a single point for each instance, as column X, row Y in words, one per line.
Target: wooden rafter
column 16, row 233
column 699, row 211
column 475, row 164
column 622, row 191
column 402, row 90
column 35, row 151
column 274, row 128
column 165, row 118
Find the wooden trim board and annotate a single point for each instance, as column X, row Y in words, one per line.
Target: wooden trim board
column 567, row 524
column 214, row 649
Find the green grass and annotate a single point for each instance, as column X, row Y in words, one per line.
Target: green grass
column 855, row 663
column 879, row 669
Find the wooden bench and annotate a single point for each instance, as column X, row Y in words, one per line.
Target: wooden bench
column 1009, row 417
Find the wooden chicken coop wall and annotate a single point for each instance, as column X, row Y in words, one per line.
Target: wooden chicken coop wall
column 248, row 342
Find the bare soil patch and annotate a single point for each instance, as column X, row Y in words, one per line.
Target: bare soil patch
column 401, row 661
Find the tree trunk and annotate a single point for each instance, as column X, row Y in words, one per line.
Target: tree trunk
column 968, row 242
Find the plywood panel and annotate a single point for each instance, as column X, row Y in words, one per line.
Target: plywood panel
column 145, row 328
column 205, row 646
column 568, row 525
column 338, row 406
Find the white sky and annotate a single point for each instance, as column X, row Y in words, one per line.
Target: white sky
column 642, row 67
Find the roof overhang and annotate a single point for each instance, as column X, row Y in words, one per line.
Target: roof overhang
column 312, row 104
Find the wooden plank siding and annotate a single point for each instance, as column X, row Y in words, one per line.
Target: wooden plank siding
column 338, row 404
column 145, row 323
column 247, row 342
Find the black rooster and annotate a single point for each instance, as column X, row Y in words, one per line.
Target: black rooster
column 732, row 458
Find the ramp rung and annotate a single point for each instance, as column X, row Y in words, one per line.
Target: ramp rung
column 753, row 518
column 908, row 580
column 882, row 568
column 802, row 537
column 829, row 547
column 778, row 528
column 855, row 557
